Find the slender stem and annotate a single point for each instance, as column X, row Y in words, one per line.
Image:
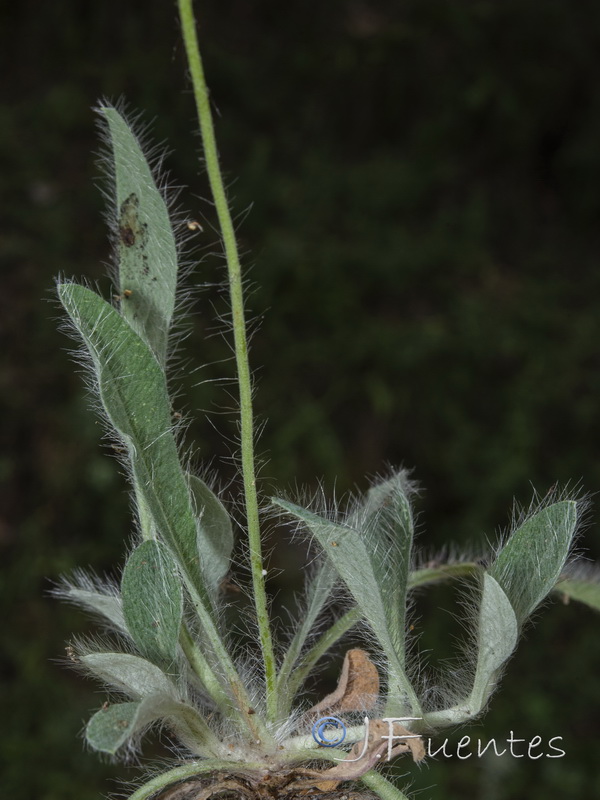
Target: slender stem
column 321, row 646
column 443, row 572
column 203, row 671
column 253, row 722
column 188, row 25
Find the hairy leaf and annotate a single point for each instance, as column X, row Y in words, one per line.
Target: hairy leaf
column 153, row 602
column 531, row 561
column 132, row 675
column 215, row 533
column 114, row 725
column 498, row 633
column 104, row 604
column 385, row 523
column 146, row 246
column 111, row 727
column 351, row 558
column 133, row 391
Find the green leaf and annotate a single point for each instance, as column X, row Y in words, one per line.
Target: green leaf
column 89, row 592
column 215, row 533
column 531, row 561
column 498, row 632
column 111, row 727
column 385, row 523
column 352, row 560
column 497, row 635
column 114, row 725
column 146, row 244
column 153, row 602
column 106, row 605
column 132, row 675
column 133, row 391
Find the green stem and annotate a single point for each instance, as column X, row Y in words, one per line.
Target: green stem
column 203, row 671
column 241, row 702
column 381, row 786
column 188, row 25
column 321, row 646
column 189, row 771
column 442, row 572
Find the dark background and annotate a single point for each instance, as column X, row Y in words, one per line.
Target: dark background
column 423, row 241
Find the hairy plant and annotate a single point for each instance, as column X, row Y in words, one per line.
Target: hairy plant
column 169, row 659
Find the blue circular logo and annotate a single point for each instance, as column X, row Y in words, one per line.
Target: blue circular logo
column 329, row 731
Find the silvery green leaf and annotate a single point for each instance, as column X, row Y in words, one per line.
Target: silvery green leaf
column 132, row 675
column 215, row 533
column 530, row 563
column 106, row 605
column 146, row 246
column 93, row 594
column 385, row 523
column 133, row 391
column 351, row 558
column 497, row 637
column 113, row 726
column 153, row 602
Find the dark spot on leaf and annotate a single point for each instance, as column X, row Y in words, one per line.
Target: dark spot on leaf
column 131, row 231
column 127, row 236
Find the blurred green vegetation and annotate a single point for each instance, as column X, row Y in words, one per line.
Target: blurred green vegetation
column 417, row 191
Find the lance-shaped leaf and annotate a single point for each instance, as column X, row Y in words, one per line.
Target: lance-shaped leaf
column 352, row 560
column 153, row 602
column 114, row 725
column 385, row 522
column 133, row 392
column 215, row 533
column 146, row 246
column 132, row 388
column 530, row 563
column 130, row 674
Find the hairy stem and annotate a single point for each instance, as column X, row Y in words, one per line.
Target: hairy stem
column 321, row 646
column 188, row 771
column 382, row 787
column 200, row 89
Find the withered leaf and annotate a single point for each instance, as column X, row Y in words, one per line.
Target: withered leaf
column 357, row 689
